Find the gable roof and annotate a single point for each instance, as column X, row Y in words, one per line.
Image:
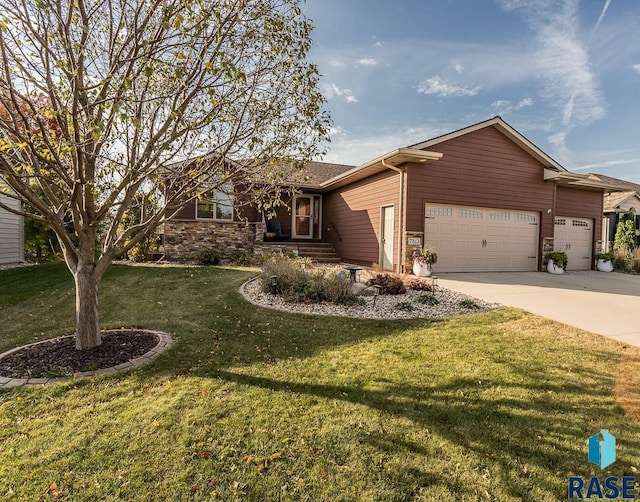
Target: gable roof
column 499, row 124
column 319, row 172
column 613, row 200
column 616, row 182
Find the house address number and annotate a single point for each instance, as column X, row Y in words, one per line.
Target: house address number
column 415, row 241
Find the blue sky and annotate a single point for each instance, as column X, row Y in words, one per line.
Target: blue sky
column 565, row 73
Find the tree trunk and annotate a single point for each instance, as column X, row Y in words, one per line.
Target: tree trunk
column 87, row 314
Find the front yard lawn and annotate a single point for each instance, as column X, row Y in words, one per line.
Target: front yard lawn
column 255, row 404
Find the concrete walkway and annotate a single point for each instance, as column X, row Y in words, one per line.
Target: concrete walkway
column 604, row 303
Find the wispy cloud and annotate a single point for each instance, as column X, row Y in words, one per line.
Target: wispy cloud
column 331, row 90
column 347, row 148
column 602, row 14
column 504, row 105
column 605, row 164
column 366, row 62
column 636, row 67
column 376, row 43
column 569, row 83
column 437, row 86
column 561, row 151
column 457, row 67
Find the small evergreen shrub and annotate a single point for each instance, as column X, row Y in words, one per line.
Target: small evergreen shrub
column 389, row 284
column 468, row 304
column 405, row 306
column 427, row 299
column 207, row 257
column 625, row 239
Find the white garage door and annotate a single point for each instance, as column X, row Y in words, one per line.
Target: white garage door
column 574, row 236
column 476, row 239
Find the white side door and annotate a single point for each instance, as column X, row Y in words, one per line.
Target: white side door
column 387, row 221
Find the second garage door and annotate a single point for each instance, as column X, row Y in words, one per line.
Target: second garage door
column 574, row 236
column 476, row 239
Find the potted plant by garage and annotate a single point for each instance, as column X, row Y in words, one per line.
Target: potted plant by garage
column 604, row 262
column 556, row 262
column 422, row 261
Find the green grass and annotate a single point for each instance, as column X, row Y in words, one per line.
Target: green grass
column 254, row 404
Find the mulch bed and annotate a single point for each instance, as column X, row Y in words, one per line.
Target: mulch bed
column 59, row 357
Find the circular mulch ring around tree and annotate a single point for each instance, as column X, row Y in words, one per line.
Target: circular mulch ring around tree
column 58, row 360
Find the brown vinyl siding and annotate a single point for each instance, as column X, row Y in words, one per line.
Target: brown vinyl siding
column 578, row 203
column 351, row 219
column 483, row 168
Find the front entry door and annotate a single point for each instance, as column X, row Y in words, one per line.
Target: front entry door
column 387, row 233
column 307, row 211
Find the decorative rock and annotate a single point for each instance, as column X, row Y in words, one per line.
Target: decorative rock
column 361, row 288
column 385, row 307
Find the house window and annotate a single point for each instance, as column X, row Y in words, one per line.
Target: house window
column 215, row 204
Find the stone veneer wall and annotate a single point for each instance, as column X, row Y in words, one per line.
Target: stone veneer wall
column 184, row 238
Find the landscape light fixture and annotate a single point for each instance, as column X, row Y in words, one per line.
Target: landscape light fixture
column 376, row 292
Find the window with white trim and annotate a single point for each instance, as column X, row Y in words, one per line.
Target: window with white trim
column 215, row 204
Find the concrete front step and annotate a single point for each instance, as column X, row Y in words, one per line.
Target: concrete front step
column 319, row 252
column 325, row 259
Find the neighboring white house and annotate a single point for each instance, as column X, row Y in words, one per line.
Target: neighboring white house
column 11, row 233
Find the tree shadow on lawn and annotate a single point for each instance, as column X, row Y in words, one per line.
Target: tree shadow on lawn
column 510, row 432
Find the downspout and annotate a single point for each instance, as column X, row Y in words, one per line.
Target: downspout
column 401, row 172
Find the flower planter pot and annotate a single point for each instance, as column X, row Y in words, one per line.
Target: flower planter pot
column 552, row 268
column 421, row 269
column 604, row 265
column 270, row 236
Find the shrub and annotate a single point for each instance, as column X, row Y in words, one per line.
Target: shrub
column 208, row 257
column 635, row 260
column 427, row 299
column 420, row 285
column 338, row 290
column 406, row 306
column 621, row 261
column 241, row 258
column 625, row 239
column 468, row 304
column 138, row 254
column 389, row 284
column 288, row 272
column 297, row 285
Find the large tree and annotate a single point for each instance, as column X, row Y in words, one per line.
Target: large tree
column 103, row 101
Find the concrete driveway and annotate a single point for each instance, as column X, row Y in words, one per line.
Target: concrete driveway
column 604, row 303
